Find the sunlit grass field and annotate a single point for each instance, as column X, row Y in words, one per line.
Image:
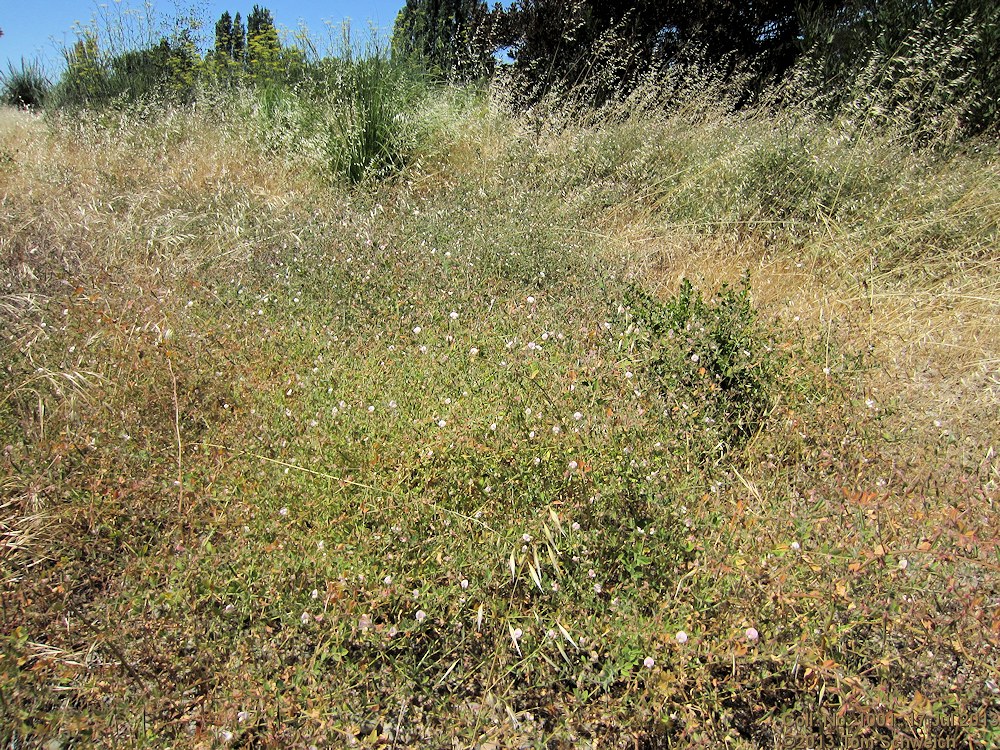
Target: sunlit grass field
column 646, row 430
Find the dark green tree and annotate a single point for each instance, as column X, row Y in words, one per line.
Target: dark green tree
column 926, row 59
column 581, row 40
column 600, row 48
column 164, row 70
column 228, row 58
column 85, row 78
column 932, row 58
column 224, row 37
column 449, row 38
column 259, row 22
column 239, row 40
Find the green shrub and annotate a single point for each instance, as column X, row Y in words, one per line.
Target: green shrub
column 167, row 70
column 712, row 366
column 25, row 87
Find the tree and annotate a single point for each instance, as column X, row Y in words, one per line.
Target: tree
column 254, row 54
column 165, row 69
column 609, row 44
column 763, row 32
column 925, row 63
column 600, row 45
column 85, row 77
column 224, row 38
column 918, row 63
column 239, row 40
column 449, row 38
column 263, row 47
column 228, row 57
column 183, row 64
column 260, row 22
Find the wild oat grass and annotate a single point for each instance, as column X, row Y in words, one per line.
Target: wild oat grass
column 406, row 463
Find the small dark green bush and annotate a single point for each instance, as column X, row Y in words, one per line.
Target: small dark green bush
column 709, row 359
column 26, row 87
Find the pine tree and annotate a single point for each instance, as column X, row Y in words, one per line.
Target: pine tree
column 224, row 37
column 239, row 40
column 259, row 22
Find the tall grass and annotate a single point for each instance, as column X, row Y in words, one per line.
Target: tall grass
column 927, row 73
column 370, row 127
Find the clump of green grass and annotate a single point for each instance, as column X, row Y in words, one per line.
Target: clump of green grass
column 370, row 131
column 355, row 120
column 25, row 87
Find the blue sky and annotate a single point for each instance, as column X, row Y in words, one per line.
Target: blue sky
column 37, row 29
